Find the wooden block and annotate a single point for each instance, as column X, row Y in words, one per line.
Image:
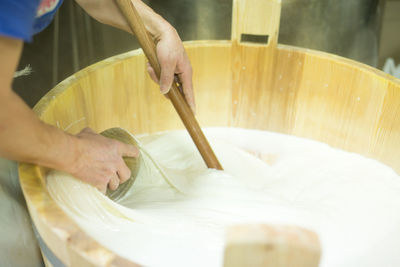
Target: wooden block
column 271, row 246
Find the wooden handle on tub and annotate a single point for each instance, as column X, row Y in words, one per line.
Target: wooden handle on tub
column 257, row 20
column 185, row 113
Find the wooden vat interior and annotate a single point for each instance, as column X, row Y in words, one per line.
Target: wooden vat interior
column 288, row 90
column 285, row 89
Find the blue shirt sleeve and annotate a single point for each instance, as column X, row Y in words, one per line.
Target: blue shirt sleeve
column 17, row 18
column 44, row 20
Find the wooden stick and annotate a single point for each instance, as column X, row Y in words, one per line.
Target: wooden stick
column 185, row 113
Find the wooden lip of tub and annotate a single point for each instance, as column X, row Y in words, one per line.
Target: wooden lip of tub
column 261, row 86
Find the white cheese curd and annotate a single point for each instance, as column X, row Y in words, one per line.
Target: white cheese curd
column 177, row 211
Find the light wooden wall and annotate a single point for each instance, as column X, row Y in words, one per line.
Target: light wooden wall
column 289, row 90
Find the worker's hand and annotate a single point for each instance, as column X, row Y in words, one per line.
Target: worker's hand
column 99, row 161
column 173, row 60
column 170, row 52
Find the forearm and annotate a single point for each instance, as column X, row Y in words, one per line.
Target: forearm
column 23, row 137
column 107, row 12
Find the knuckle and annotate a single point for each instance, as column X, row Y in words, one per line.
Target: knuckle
column 87, row 130
column 128, row 173
column 131, row 148
column 105, row 179
column 113, row 185
column 113, row 146
column 108, row 174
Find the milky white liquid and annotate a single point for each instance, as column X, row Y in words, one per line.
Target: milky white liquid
column 177, row 211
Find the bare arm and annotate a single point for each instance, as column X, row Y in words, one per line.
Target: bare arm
column 170, row 51
column 23, row 137
column 17, row 120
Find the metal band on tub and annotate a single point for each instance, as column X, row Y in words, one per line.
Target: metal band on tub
column 56, row 262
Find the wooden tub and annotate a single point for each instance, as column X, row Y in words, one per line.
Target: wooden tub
column 237, row 84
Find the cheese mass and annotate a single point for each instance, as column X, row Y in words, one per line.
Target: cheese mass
column 177, row 211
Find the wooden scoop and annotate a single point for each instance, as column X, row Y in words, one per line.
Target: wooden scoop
column 132, row 163
column 185, row 113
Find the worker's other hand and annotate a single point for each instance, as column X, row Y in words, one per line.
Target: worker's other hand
column 170, row 51
column 173, row 60
column 99, row 161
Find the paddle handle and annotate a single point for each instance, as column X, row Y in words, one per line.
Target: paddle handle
column 185, row 113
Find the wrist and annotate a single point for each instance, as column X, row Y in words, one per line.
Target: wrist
column 165, row 30
column 155, row 24
column 69, row 159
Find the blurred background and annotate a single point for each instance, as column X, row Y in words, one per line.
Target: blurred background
column 364, row 30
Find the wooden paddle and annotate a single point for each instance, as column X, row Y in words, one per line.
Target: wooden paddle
column 185, row 113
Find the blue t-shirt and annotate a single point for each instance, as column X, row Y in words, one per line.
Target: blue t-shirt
column 21, row 19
